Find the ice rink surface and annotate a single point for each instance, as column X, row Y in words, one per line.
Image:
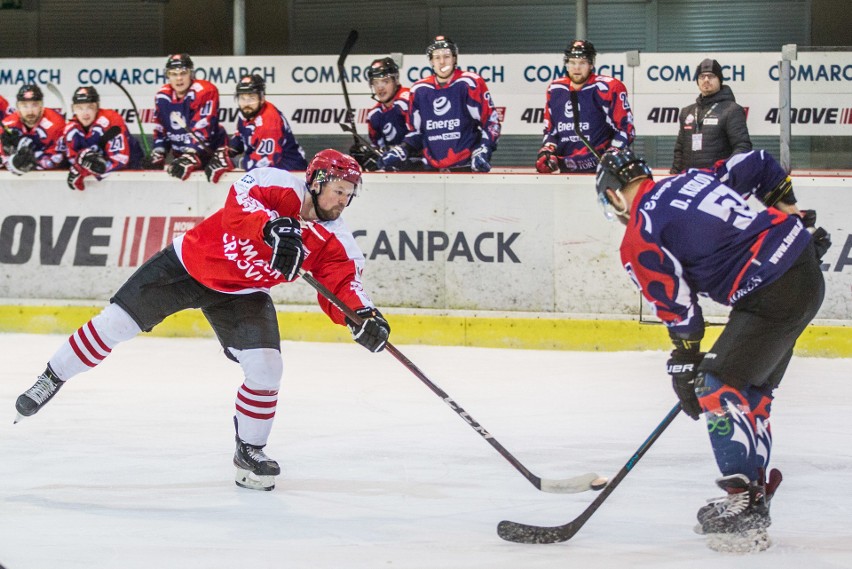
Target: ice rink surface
column 129, row 467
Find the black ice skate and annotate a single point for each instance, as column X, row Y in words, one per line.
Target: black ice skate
column 33, row 399
column 255, row 470
column 737, row 522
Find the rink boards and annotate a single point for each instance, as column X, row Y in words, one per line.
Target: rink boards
column 504, row 259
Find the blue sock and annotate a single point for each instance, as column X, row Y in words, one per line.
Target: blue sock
column 738, row 425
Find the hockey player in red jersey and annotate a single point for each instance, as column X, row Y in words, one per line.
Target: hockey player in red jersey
column 452, row 119
column 89, row 154
column 32, row 136
column 5, row 109
column 272, row 225
column 263, row 135
column 186, row 113
column 594, row 105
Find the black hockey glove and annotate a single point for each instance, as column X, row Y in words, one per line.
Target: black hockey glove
column 683, row 367
column 157, row 160
column 9, row 139
column 820, row 237
column 93, row 161
column 184, row 165
column 365, row 156
column 374, row 330
column 22, row 161
column 284, row 235
column 219, row 164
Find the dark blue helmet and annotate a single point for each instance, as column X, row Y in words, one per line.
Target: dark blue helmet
column 580, row 48
column 85, row 95
column 617, row 168
column 442, row 42
column 384, row 67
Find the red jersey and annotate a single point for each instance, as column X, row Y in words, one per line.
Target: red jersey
column 4, row 108
column 226, row 252
column 46, row 135
column 122, row 151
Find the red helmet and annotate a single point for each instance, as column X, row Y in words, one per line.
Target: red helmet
column 330, row 164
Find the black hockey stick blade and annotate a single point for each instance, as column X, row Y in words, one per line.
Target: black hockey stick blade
column 108, row 135
column 344, row 53
column 347, row 47
column 590, row 481
column 525, row 533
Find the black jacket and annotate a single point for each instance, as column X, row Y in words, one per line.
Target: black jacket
column 722, row 124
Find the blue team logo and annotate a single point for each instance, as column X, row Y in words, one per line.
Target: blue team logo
column 569, row 110
column 441, row 106
column 389, row 131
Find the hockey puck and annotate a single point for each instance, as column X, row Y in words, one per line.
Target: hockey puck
column 599, row 483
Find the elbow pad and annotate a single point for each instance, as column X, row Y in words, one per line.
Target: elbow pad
column 783, row 193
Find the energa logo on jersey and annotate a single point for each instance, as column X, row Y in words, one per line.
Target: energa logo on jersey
column 389, row 131
column 176, row 120
column 441, row 106
column 569, row 110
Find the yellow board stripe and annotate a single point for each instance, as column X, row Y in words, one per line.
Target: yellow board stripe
column 544, row 333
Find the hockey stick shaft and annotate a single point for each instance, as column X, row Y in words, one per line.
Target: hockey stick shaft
column 562, row 486
column 575, row 108
column 523, row 533
column 58, row 94
column 144, row 138
column 341, row 71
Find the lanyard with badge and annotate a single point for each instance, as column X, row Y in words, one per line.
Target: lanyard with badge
column 699, row 123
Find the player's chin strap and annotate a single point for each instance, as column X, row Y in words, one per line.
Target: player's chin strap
column 581, row 483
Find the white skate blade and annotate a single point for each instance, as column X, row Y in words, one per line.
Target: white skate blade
column 246, row 479
column 750, row 541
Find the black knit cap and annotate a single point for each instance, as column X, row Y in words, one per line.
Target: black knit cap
column 709, row 66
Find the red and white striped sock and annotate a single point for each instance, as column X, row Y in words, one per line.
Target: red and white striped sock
column 255, row 412
column 93, row 342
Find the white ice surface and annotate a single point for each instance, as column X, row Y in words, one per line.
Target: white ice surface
column 130, row 466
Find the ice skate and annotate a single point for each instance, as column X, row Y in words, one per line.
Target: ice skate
column 255, row 470
column 737, row 522
column 33, row 399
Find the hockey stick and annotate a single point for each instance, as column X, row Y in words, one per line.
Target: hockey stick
column 581, row 483
column 145, row 145
column 58, row 94
column 524, row 533
column 108, row 135
column 575, row 109
column 350, row 114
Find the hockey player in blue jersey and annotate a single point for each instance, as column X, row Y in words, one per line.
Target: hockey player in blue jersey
column 186, row 113
column 694, row 235
column 594, row 105
column 452, row 120
column 263, row 135
column 387, row 120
